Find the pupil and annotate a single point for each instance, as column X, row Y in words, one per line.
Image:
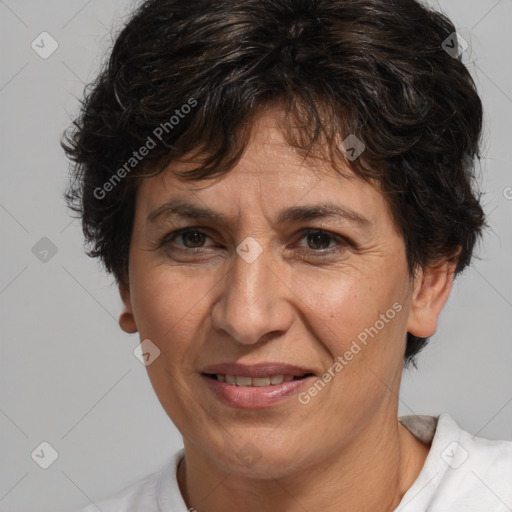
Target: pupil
column 317, row 239
column 194, row 236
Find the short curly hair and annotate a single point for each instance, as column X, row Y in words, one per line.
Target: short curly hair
column 191, row 76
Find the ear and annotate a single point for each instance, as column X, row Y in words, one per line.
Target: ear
column 432, row 288
column 126, row 319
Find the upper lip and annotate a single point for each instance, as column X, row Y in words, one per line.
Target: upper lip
column 256, row 370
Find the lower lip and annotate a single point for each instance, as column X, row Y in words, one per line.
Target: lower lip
column 252, row 397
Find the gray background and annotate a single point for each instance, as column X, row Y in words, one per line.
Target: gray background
column 68, row 375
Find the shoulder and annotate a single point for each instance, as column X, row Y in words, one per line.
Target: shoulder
column 464, row 472
column 138, row 496
column 478, row 468
column 471, row 454
column 146, row 494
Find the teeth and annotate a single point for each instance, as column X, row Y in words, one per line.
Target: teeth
column 243, row 381
column 256, row 381
column 264, row 381
column 276, row 379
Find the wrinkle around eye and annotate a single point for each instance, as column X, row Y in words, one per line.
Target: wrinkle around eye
column 170, row 243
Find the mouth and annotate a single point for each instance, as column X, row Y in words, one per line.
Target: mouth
column 258, row 382
column 256, row 386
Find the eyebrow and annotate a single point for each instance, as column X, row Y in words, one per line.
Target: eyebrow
column 182, row 209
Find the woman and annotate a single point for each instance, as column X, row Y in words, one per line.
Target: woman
column 282, row 190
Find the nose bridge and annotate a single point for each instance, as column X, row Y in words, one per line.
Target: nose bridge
column 252, row 303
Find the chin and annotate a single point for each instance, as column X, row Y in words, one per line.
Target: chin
column 257, row 457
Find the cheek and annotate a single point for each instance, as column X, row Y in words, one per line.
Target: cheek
column 344, row 306
column 169, row 306
column 169, row 311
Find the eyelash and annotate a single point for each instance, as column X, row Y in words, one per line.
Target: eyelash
column 342, row 241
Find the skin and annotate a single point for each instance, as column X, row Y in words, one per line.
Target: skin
column 289, row 306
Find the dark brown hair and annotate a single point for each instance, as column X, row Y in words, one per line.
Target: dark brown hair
column 191, row 76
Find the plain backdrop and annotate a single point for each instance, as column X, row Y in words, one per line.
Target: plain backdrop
column 68, row 374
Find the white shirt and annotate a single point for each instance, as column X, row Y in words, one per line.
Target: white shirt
column 461, row 473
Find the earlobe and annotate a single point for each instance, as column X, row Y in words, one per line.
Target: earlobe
column 431, row 291
column 126, row 319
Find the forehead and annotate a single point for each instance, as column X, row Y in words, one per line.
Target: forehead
column 270, row 175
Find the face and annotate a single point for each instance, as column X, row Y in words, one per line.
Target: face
column 271, row 288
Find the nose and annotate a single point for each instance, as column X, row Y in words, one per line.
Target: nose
column 255, row 300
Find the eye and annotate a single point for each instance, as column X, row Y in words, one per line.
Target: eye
column 319, row 242
column 192, row 238
column 318, row 239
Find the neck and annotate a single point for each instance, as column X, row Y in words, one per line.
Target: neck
column 370, row 474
